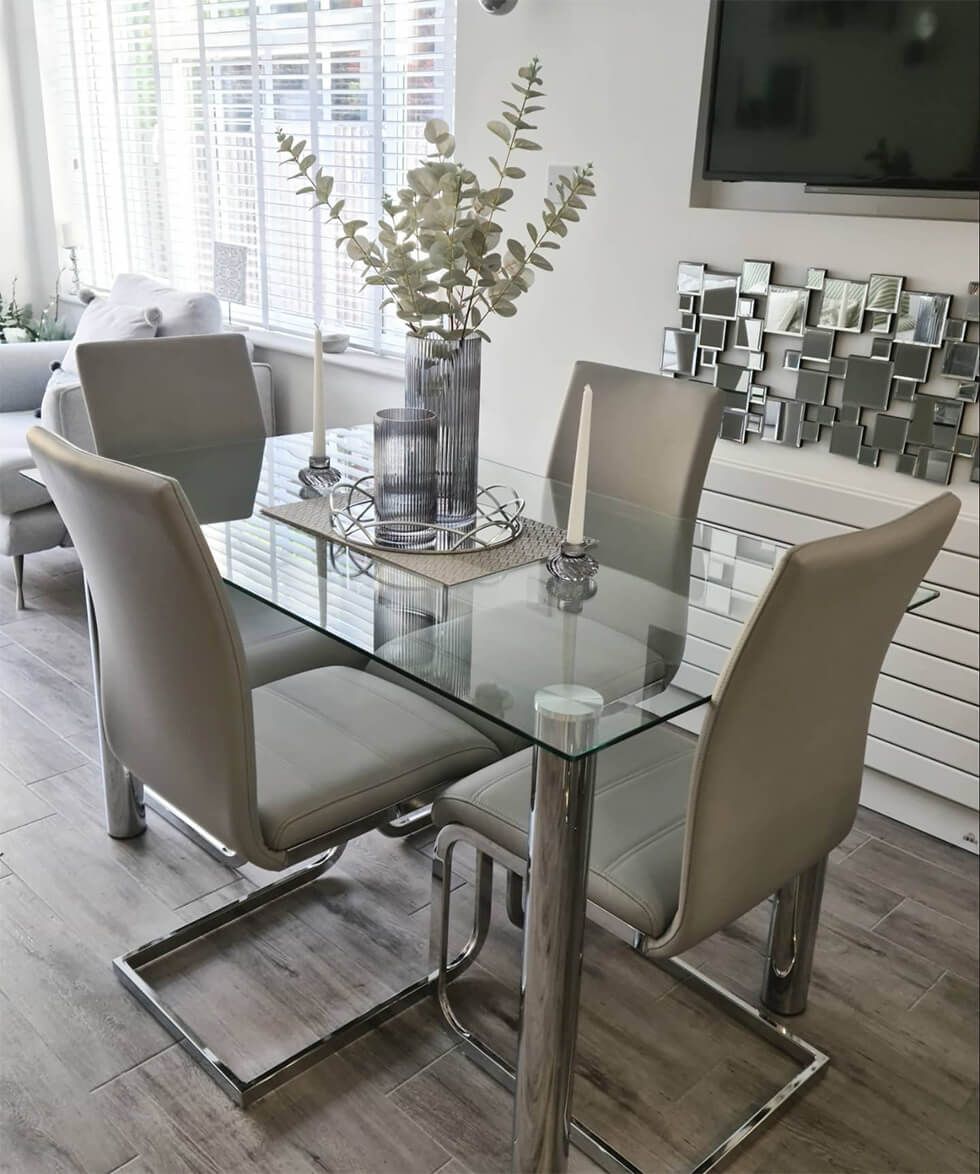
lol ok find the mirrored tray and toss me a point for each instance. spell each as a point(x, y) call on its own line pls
point(499, 520)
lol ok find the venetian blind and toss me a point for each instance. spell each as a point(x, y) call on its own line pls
point(169, 110)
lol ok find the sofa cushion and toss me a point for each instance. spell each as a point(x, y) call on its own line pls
point(181, 312)
point(104, 321)
point(16, 492)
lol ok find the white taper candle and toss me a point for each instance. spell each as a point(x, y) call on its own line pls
point(319, 448)
point(580, 475)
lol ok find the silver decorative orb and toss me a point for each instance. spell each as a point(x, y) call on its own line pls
point(498, 7)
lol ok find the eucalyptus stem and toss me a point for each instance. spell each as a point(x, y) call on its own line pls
point(438, 254)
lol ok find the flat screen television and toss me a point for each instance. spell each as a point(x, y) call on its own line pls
point(846, 93)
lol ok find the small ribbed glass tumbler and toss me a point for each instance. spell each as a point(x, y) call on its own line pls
point(405, 476)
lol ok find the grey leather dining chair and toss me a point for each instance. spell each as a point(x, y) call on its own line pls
point(155, 395)
point(282, 773)
point(688, 835)
point(651, 436)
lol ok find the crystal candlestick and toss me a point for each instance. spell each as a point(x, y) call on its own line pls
point(319, 477)
point(573, 571)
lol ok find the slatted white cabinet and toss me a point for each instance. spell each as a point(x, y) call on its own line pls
point(924, 745)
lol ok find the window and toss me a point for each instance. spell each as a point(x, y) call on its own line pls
point(167, 111)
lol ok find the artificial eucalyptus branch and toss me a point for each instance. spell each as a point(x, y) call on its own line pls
point(437, 251)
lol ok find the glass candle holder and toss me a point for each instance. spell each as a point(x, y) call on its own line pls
point(405, 441)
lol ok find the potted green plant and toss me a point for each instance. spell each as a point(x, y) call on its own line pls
point(441, 256)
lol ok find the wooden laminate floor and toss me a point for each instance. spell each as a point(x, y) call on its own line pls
point(91, 1083)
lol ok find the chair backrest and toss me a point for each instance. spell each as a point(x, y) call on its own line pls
point(651, 440)
point(148, 395)
point(777, 774)
point(176, 703)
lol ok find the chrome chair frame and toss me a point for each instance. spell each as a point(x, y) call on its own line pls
point(813, 1061)
point(325, 851)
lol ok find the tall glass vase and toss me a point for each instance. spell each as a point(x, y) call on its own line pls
point(445, 378)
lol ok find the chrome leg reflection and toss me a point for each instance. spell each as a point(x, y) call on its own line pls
point(125, 811)
point(792, 936)
point(562, 793)
point(515, 899)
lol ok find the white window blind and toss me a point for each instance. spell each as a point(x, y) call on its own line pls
point(169, 110)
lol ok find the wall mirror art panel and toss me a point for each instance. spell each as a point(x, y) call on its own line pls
point(842, 305)
point(868, 404)
point(756, 276)
point(680, 353)
point(921, 318)
point(689, 275)
point(884, 292)
point(748, 334)
point(719, 295)
point(786, 308)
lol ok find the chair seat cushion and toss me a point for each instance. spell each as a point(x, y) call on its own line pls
point(16, 492)
point(278, 646)
point(637, 830)
point(335, 745)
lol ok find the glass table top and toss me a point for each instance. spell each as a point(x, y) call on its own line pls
point(492, 644)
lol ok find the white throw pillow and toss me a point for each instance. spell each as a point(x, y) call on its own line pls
point(102, 322)
point(183, 312)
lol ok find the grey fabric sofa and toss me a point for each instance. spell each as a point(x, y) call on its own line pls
point(29, 521)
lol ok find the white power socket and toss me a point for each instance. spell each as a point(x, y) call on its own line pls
point(555, 172)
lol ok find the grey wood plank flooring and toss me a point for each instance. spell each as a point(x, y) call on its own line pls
point(165, 861)
point(43, 691)
point(47, 1121)
point(67, 991)
point(18, 803)
point(28, 748)
point(92, 1084)
point(61, 646)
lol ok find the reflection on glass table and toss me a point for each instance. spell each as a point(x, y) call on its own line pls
point(490, 644)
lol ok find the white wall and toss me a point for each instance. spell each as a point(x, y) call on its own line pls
point(623, 85)
point(28, 249)
point(623, 82)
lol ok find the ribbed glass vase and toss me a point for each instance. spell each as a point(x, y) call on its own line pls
point(445, 378)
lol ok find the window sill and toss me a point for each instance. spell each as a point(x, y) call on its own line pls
point(381, 366)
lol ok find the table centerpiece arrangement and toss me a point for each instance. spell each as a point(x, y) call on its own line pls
point(443, 261)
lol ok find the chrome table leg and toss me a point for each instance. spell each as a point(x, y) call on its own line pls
point(125, 813)
point(562, 794)
point(792, 935)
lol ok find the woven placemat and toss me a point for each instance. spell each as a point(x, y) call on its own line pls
point(535, 543)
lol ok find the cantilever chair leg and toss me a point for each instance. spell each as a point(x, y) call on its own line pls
point(246, 1092)
point(813, 1061)
point(407, 824)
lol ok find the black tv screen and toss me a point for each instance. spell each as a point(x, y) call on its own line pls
point(846, 93)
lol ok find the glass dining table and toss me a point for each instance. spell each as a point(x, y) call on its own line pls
point(567, 671)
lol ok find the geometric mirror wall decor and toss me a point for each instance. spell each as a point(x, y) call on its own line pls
point(869, 404)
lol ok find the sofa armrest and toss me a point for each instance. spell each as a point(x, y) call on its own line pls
point(63, 411)
point(267, 399)
point(24, 371)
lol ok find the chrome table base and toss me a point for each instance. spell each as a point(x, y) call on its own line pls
point(562, 793)
point(813, 1061)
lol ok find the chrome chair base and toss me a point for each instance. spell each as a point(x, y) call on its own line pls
point(813, 1061)
point(245, 1092)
